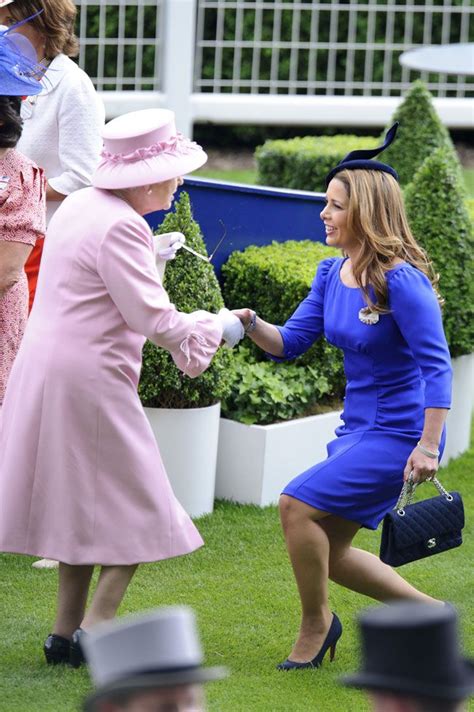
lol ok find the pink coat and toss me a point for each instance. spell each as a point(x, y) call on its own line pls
point(81, 477)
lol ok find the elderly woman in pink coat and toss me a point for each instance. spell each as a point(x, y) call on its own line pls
point(87, 485)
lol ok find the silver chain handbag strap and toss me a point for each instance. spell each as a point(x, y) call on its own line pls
point(408, 492)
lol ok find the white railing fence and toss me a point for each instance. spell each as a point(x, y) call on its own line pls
point(271, 61)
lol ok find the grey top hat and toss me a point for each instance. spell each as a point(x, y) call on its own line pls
point(413, 648)
point(157, 649)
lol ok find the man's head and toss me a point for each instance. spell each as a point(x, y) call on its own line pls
point(411, 659)
point(148, 663)
point(181, 698)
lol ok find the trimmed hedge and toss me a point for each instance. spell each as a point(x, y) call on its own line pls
point(420, 133)
point(303, 163)
point(438, 215)
point(191, 285)
point(273, 280)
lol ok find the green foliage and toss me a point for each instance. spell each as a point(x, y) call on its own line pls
point(436, 207)
point(273, 280)
point(420, 133)
point(191, 285)
point(303, 163)
point(266, 392)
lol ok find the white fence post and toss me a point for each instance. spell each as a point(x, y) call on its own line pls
point(179, 39)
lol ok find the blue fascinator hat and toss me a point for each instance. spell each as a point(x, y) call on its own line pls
point(19, 66)
point(362, 159)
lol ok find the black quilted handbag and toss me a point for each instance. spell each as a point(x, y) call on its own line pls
point(414, 531)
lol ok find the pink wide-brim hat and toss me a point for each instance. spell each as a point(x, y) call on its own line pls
point(142, 148)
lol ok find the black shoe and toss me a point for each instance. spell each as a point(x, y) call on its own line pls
point(334, 633)
point(76, 653)
point(56, 649)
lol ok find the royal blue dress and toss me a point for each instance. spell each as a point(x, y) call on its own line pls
point(395, 369)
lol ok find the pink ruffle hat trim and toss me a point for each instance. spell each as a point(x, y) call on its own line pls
point(142, 148)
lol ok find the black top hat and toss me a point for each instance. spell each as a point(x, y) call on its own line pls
point(413, 648)
point(362, 158)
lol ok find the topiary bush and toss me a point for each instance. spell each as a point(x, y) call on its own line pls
point(191, 284)
point(273, 280)
point(436, 207)
point(303, 163)
point(420, 133)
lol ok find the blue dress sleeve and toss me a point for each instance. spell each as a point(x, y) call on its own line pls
point(417, 313)
point(306, 324)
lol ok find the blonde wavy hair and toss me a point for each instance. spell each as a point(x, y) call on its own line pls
point(55, 24)
point(376, 218)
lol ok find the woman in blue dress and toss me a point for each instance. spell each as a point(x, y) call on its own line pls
point(378, 304)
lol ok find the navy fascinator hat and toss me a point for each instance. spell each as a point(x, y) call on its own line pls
point(19, 66)
point(362, 158)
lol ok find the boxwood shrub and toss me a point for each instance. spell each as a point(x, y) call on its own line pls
point(303, 163)
point(273, 280)
point(420, 133)
point(191, 284)
point(438, 214)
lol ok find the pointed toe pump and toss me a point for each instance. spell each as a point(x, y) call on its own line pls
point(56, 649)
point(330, 642)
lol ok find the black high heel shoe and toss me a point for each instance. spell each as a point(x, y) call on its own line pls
point(56, 649)
point(76, 653)
point(330, 642)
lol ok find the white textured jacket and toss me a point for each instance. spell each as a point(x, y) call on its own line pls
point(62, 128)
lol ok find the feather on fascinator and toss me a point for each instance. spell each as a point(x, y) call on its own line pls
point(19, 66)
point(362, 158)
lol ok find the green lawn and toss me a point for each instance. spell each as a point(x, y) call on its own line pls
point(241, 587)
point(469, 179)
point(250, 176)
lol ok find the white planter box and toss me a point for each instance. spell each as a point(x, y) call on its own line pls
point(255, 462)
point(187, 439)
point(459, 418)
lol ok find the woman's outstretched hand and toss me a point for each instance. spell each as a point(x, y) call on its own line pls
point(245, 316)
point(423, 467)
point(232, 329)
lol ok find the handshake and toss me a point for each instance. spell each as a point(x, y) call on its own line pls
point(166, 247)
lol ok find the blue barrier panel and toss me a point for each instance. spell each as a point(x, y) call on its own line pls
point(250, 215)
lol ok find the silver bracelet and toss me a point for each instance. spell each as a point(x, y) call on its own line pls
point(428, 453)
point(252, 324)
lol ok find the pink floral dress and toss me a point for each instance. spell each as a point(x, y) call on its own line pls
point(22, 219)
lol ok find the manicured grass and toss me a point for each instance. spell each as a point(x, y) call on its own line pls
point(469, 180)
point(247, 176)
point(241, 586)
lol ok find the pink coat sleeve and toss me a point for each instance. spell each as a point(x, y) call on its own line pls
point(126, 263)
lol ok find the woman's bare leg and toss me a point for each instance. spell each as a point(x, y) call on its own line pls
point(362, 571)
point(73, 588)
point(308, 548)
point(111, 587)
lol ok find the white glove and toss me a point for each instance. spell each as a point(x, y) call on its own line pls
point(232, 329)
point(167, 245)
